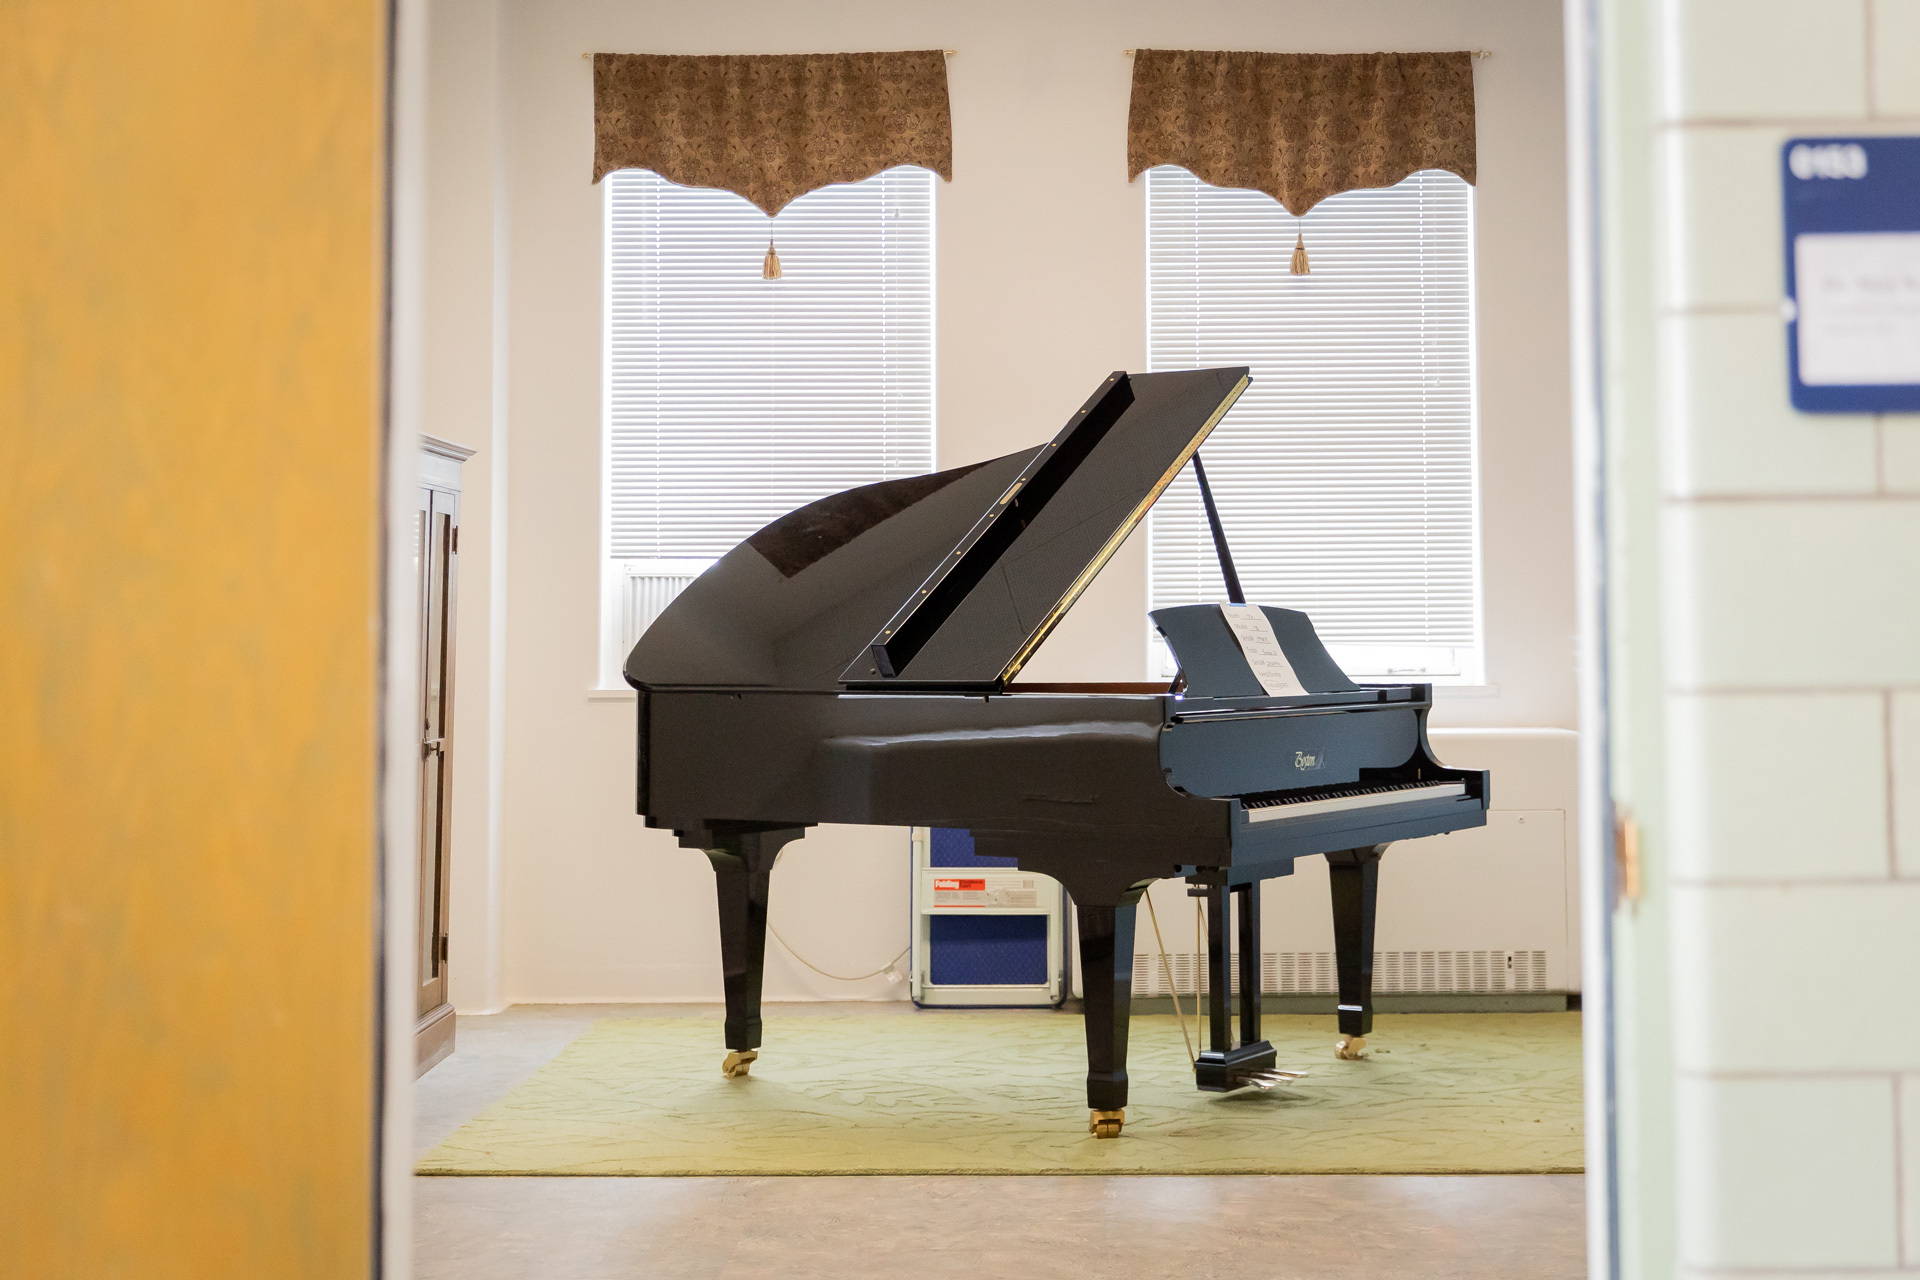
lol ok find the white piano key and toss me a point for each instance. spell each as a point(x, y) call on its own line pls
point(1340, 804)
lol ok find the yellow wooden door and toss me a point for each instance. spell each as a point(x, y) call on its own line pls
point(191, 259)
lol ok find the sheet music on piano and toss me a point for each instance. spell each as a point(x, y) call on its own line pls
point(1254, 634)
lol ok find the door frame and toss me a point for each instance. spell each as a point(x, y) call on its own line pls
point(399, 684)
point(399, 781)
point(1580, 26)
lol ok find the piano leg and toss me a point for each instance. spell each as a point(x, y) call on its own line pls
point(1355, 878)
point(1219, 970)
point(743, 871)
point(1106, 967)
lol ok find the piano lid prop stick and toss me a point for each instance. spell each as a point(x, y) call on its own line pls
point(1227, 574)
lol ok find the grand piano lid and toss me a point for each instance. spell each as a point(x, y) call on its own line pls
point(790, 607)
point(1004, 586)
point(798, 601)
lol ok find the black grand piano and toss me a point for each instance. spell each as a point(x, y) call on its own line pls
point(855, 662)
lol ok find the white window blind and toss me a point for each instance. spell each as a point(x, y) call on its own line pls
point(1345, 476)
point(731, 399)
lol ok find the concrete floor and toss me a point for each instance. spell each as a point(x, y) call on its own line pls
point(1196, 1228)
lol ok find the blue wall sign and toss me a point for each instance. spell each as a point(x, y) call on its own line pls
point(1853, 273)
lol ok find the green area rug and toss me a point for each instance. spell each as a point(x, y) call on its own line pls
point(1001, 1092)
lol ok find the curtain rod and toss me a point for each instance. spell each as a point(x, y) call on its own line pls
point(949, 52)
point(1478, 53)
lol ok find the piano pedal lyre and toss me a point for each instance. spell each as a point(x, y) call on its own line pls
point(1351, 1048)
point(1106, 1124)
point(738, 1062)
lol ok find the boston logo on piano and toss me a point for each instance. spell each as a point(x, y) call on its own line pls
point(854, 662)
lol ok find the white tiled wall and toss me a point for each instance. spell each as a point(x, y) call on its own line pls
point(1766, 59)
point(1900, 445)
point(1742, 435)
point(1729, 825)
point(1896, 57)
point(1792, 617)
point(1788, 1173)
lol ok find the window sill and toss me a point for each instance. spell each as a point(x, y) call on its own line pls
point(1447, 692)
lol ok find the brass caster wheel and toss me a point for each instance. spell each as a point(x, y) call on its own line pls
point(1351, 1048)
point(738, 1062)
point(1106, 1124)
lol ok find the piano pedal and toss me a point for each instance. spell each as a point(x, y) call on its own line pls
point(1106, 1124)
point(1351, 1048)
point(737, 1063)
point(1269, 1078)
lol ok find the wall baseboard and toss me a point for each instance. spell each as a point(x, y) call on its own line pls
point(715, 1001)
point(1467, 1002)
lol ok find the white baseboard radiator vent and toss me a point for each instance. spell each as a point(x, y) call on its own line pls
point(1290, 973)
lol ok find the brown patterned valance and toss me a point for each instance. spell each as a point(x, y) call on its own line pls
point(1301, 126)
point(771, 127)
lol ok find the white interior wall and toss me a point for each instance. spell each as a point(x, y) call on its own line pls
point(463, 333)
point(1767, 668)
point(1041, 287)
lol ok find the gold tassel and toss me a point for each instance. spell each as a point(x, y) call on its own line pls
point(1300, 267)
point(770, 269)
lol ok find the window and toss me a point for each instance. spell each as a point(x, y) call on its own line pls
point(731, 399)
point(1345, 476)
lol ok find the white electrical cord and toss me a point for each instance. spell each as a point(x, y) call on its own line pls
point(822, 972)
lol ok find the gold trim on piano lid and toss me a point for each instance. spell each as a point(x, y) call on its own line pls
point(1120, 535)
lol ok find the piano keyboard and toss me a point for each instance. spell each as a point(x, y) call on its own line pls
point(1318, 800)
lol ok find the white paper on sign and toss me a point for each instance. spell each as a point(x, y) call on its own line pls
point(1859, 308)
point(1262, 649)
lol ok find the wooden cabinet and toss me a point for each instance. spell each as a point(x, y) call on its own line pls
point(436, 544)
